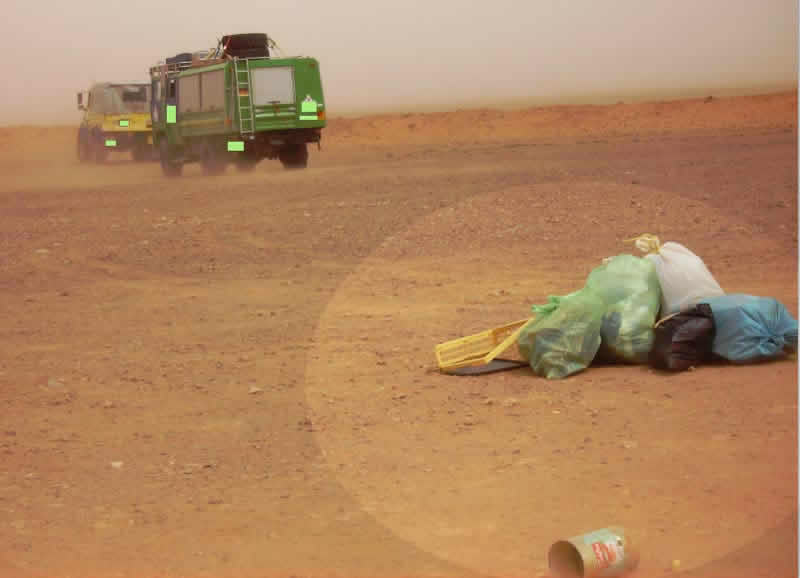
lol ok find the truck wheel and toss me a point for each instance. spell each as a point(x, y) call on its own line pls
point(294, 156)
point(169, 167)
point(212, 161)
point(83, 147)
point(246, 164)
point(100, 151)
point(141, 151)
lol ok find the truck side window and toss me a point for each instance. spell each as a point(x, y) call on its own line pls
point(171, 93)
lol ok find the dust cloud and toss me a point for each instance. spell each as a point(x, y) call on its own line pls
point(414, 55)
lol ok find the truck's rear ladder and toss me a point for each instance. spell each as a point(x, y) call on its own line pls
point(243, 101)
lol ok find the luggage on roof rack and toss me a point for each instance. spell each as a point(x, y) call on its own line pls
point(254, 45)
point(181, 61)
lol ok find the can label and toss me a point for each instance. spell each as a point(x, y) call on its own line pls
point(608, 548)
point(607, 553)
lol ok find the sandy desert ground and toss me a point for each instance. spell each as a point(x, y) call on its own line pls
point(234, 376)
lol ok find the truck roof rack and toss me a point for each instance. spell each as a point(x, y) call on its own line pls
point(230, 46)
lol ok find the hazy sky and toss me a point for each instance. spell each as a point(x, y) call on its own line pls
point(408, 54)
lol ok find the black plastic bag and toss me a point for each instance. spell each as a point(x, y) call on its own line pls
point(684, 340)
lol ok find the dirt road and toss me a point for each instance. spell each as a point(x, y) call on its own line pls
point(234, 376)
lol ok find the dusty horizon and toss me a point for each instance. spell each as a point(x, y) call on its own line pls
point(420, 56)
point(519, 105)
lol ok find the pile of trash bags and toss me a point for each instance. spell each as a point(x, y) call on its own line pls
point(664, 309)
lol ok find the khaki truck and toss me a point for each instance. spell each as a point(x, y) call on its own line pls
point(116, 118)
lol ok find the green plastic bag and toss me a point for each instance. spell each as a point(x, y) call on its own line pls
point(630, 289)
point(565, 336)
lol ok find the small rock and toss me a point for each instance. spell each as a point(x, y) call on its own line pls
point(55, 383)
point(254, 390)
point(630, 444)
point(510, 402)
point(116, 465)
point(42, 251)
point(108, 404)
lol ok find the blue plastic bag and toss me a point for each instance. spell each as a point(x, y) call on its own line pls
point(750, 328)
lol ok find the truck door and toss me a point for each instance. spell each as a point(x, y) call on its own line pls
point(171, 108)
point(155, 101)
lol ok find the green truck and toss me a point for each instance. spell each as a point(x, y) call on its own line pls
point(235, 104)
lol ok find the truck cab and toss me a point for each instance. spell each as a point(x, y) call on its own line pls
point(116, 118)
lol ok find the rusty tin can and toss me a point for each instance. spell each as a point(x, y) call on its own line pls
point(605, 552)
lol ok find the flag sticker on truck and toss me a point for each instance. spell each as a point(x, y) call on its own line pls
point(308, 109)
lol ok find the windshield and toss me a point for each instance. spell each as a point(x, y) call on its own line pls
point(130, 98)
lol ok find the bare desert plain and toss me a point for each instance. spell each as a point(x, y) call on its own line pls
point(234, 376)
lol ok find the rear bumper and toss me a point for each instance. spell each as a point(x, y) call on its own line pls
point(288, 136)
point(267, 144)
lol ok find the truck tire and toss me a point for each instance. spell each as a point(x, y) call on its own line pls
point(169, 166)
point(98, 148)
point(246, 164)
point(141, 151)
point(294, 156)
point(83, 146)
point(213, 161)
